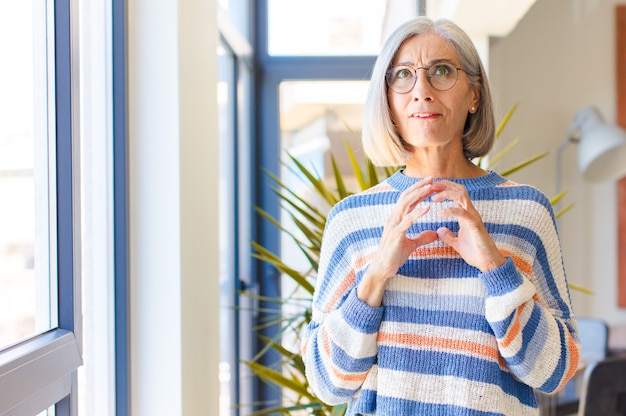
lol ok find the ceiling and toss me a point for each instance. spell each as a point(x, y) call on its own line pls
point(481, 17)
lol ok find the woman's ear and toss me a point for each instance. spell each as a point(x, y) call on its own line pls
point(475, 101)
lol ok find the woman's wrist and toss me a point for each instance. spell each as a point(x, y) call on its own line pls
point(372, 288)
point(492, 263)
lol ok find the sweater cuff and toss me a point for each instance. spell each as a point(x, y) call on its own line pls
point(361, 316)
point(503, 279)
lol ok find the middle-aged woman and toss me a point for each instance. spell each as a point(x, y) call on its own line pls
point(440, 291)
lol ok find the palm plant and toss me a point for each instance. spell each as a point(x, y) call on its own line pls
point(295, 307)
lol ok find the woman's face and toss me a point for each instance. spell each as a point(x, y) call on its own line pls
point(426, 117)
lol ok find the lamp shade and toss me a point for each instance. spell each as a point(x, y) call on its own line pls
point(602, 147)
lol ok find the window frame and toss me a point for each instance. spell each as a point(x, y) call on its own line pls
point(40, 372)
point(120, 209)
point(241, 91)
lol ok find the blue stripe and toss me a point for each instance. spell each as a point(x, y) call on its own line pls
point(553, 382)
point(360, 201)
point(437, 268)
point(451, 319)
point(470, 304)
point(500, 328)
point(322, 374)
point(348, 363)
point(528, 332)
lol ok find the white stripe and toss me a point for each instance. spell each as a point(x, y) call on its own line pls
point(449, 390)
point(500, 307)
point(447, 287)
point(354, 343)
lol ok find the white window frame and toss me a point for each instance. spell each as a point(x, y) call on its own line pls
point(41, 372)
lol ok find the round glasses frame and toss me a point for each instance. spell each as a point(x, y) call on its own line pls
point(431, 71)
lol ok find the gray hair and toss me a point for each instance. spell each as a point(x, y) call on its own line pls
point(381, 142)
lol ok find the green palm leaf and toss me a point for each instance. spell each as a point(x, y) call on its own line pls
point(268, 257)
point(279, 379)
point(356, 168)
point(523, 164)
point(341, 187)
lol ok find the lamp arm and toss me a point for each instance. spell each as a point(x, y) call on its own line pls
point(570, 138)
point(559, 156)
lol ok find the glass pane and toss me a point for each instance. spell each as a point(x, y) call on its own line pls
point(26, 187)
point(316, 119)
point(331, 27)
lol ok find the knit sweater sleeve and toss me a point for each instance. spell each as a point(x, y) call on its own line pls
point(339, 345)
point(528, 304)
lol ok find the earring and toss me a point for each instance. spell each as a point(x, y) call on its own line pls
point(472, 109)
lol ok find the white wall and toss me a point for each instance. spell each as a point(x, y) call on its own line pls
point(173, 207)
point(559, 59)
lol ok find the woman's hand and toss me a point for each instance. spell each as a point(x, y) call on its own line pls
point(473, 242)
point(395, 246)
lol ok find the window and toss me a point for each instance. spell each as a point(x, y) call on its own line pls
point(40, 349)
point(317, 120)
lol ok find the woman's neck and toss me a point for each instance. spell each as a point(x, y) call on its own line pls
point(423, 164)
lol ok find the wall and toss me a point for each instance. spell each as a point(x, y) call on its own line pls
point(173, 184)
point(559, 59)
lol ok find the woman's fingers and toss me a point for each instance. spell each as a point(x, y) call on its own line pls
point(425, 237)
point(472, 241)
point(410, 198)
point(418, 212)
point(446, 190)
point(460, 214)
point(447, 236)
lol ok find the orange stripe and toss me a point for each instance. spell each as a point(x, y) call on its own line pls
point(347, 282)
point(441, 343)
point(574, 359)
point(520, 263)
point(514, 329)
point(363, 261)
point(336, 372)
point(445, 251)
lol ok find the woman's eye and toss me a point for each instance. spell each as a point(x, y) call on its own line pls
point(441, 70)
point(403, 73)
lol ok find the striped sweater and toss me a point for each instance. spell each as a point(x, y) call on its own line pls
point(448, 339)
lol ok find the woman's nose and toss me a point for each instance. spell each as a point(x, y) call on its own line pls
point(422, 90)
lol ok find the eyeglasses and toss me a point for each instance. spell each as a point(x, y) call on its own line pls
point(442, 76)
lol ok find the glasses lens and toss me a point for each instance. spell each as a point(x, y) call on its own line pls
point(442, 76)
point(401, 79)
